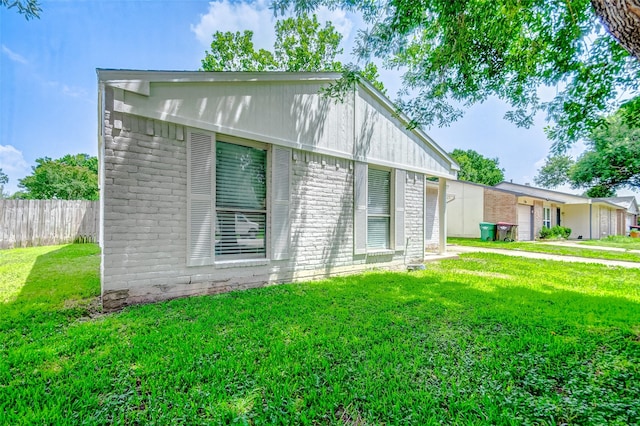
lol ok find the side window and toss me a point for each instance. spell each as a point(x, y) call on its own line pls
point(546, 218)
point(378, 208)
point(241, 201)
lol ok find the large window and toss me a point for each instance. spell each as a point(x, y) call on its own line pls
point(240, 201)
point(229, 197)
point(546, 219)
point(378, 208)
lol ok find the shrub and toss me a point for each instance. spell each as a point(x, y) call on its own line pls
point(558, 232)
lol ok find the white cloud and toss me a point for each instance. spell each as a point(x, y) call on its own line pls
point(340, 21)
point(11, 160)
point(231, 16)
point(13, 164)
point(15, 57)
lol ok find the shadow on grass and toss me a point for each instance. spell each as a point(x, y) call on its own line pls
point(478, 338)
point(61, 283)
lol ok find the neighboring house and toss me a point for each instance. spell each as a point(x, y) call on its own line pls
point(471, 203)
point(530, 208)
point(627, 217)
point(212, 182)
point(588, 218)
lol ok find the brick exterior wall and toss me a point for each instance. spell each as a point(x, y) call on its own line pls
point(145, 220)
point(500, 206)
point(537, 218)
point(414, 216)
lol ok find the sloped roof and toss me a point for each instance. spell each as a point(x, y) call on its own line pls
point(629, 203)
point(552, 195)
point(140, 82)
point(509, 191)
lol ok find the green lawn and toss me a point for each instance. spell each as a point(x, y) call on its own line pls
point(486, 339)
point(617, 241)
point(547, 248)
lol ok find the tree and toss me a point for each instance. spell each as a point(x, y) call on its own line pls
point(477, 168)
point(611, 161)
point(555, 171)
point(72, 177)
point(458, 53)
point(29, 8)
point(4, 179)
point(301, 45)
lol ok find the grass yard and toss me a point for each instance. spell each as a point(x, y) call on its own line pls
point(616, 241)
point(486, 339)
point(547, 248)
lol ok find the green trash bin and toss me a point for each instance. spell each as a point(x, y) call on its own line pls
point(487, 231)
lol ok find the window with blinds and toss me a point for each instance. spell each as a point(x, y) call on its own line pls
point(240, 201)
point(378, 208)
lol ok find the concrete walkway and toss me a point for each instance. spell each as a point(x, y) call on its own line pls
point(586, 246)
point(455, 249)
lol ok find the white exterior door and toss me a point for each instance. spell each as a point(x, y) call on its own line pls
point(524, 223)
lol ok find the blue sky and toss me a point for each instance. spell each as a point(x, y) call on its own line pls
point(48, 86)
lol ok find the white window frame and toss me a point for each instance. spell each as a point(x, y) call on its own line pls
point(389, 244)
point(546, 217)
point(201, 230)
point(396, 242)
point(221, 258)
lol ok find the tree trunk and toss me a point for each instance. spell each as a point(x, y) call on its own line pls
point(622, 19)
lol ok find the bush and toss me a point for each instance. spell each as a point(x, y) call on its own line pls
point(557, 232)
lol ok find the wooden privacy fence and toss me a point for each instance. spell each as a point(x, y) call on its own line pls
point(25, 223)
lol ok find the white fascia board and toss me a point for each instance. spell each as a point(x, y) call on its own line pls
point(109, 75)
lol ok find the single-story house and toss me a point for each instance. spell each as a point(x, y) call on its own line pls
point(588, 218)
point(471, 203)
point(627, 217)
point(530, 208)
point(212, 182)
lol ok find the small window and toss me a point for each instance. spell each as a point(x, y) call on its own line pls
point(546, 219)
point(241, 202)
point(378, 209)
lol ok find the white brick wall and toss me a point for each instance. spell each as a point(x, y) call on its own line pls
point(414, 220)
point(145, 221)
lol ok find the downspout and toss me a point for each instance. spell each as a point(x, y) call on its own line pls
point(101, 153)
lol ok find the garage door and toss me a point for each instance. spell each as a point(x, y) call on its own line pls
point(524, 223)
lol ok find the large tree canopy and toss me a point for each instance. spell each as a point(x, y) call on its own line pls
point(476, 168)
point(72, 177)
point(611, 162)
point(457, 53)
point(301, 45)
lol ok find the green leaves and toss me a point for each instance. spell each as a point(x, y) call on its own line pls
point(72, 177)
point(301, 45)
point(611, 161)
point(477, 168)
point(4, 179)
point(459, 53)
point(29, 8)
